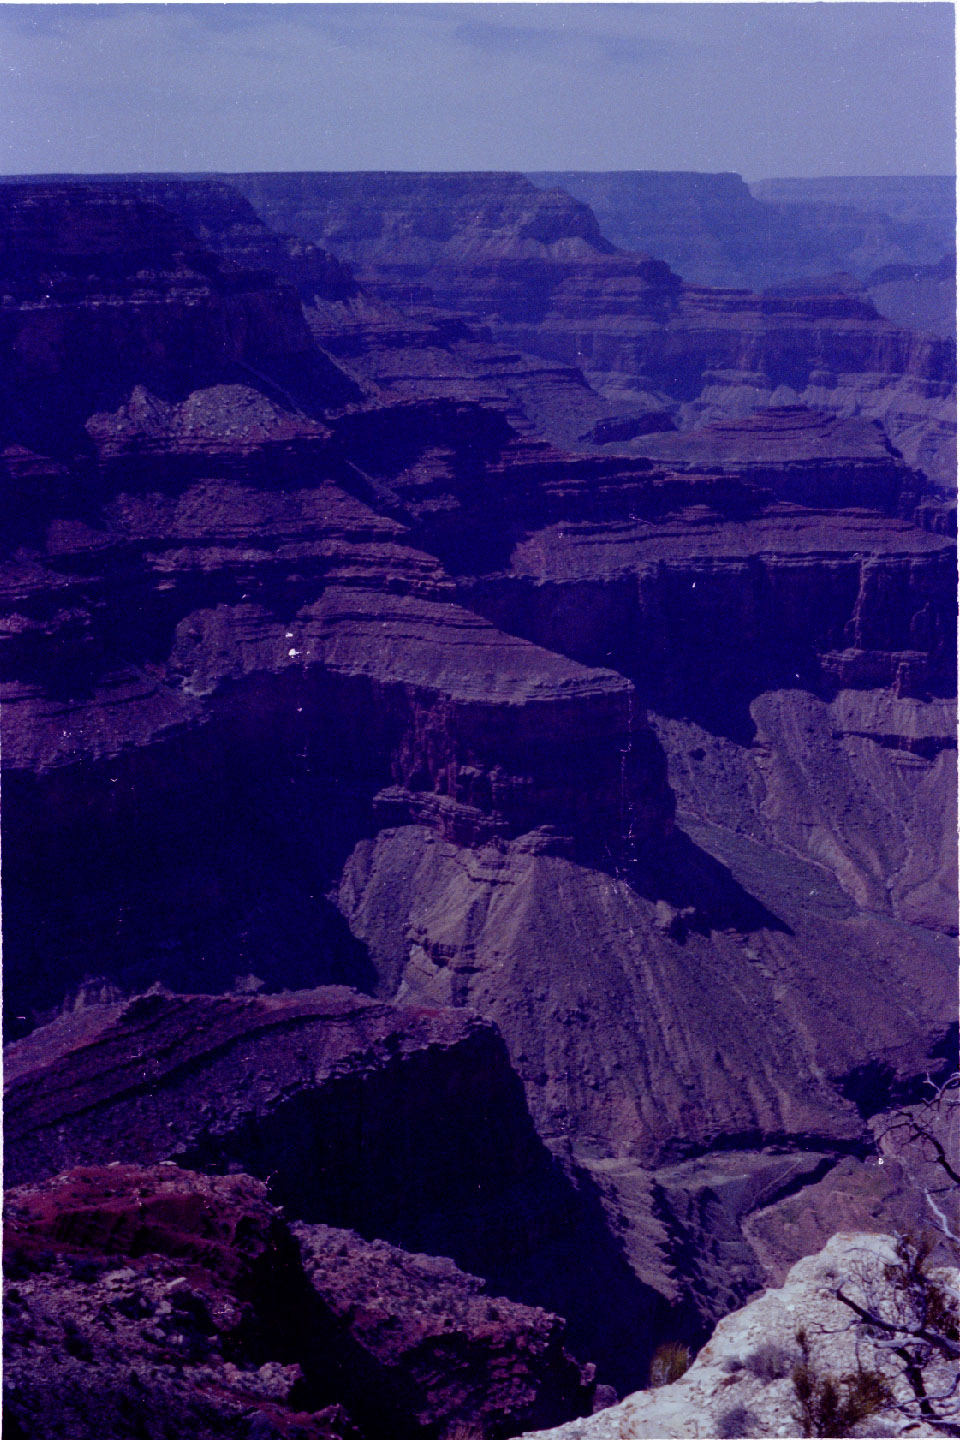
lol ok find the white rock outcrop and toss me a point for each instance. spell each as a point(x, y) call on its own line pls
point(721, 1395)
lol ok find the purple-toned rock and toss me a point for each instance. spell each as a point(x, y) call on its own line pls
point(158, 1297)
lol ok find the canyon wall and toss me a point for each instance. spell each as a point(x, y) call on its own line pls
point(535, 266)
point(555, 656)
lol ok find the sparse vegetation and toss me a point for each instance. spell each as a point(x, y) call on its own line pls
point(737, 1423)
point(906, 1315)
point(770, 1361)
point(831, 1405)
point(669, 1362)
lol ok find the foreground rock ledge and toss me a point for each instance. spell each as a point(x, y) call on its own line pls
point(720, 1394)
point(155, 1301)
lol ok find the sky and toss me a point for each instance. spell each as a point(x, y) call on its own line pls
point(765, 89)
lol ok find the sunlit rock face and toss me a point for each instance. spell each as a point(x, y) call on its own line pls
point(740, 1383)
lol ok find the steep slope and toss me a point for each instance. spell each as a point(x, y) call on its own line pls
point(404, 1123)
point(459, 234)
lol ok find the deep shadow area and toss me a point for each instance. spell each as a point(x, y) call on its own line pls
point(211, 874)
point(876, 1086)
point(446, 1161)
point(702, 891)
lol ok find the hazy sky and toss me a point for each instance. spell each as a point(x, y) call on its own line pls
point(764, 89)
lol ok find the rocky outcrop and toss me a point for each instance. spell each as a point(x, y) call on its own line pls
point(698, 919)
point(437, 1342)
point(452, 238)
point(364, 697)
point(809, 457)
point(404, 1123)
point(105, 290)
point(718, 353)
point(220, 217)
point(740, 1384)
point(159, 1297)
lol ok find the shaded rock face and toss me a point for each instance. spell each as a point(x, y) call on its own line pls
point(641, 750)
point(156, 1297)
point(219, 216)
point(108, 289)
point(405, 1123)
point(466, 1355)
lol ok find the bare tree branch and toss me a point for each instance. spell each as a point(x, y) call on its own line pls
point(947, 1347)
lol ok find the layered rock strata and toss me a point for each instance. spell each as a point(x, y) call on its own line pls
point(535, 266)
point(716, 230)
point(105, 290)
point(641, 753)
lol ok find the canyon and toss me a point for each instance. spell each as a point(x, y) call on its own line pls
point(478, 773)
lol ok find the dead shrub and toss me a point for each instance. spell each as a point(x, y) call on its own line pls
point(737, 1423)
point(770, 1361)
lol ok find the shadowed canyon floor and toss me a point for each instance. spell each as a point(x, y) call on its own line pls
point(478, 758)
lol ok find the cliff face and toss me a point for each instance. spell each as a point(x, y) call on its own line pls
point(484, 245)
point(922, 297)
point(403, 1123)
point(716, 230)
point(106, 289)
point(710, 228)
point(925, 203)
point(418, 220)
point(552, 286)
point(592, 690)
